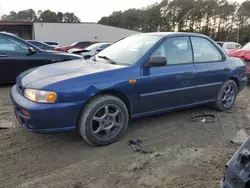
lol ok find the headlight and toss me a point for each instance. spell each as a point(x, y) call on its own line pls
point(40, 96)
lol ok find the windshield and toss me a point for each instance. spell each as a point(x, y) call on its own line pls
point(74, 44)
point(246, 47)
point(94, 46)
point(129, 50)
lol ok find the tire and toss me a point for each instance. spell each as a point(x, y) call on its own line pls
point(98, 116)
point(220, 105)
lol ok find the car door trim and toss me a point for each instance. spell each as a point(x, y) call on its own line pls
point(179, 89)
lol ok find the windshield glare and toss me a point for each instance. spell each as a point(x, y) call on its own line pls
point(74, 44)
point(129, 50)
point(246, 47)
point(94, 46)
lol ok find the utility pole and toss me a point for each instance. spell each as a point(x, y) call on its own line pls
point(238, 34)
point(177, 25)
point(238, 28)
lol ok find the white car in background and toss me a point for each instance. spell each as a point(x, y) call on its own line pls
point(53, 44)
point(89, 51)
point(229, 45)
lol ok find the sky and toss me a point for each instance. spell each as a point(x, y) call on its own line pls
point(86, 10)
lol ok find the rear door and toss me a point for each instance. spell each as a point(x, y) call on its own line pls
point(211, 67)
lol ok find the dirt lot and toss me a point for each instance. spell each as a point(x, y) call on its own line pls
point(185, 154)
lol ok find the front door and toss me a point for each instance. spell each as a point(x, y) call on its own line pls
point(171, 86)
point(212, 69)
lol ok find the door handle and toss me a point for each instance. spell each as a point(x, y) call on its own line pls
point(189, 73)
point(226, 69)
point(3, 55)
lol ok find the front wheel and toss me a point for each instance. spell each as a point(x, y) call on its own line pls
point(103, 121)
point(227, 96)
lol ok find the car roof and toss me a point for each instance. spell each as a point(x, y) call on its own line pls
point(6, 33)
point(52, 41)
point(173, 34)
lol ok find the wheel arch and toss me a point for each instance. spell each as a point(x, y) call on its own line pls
point(236, 80)
point(123, 97)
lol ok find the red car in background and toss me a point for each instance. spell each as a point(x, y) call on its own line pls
point(243, 53)
point(76, 45)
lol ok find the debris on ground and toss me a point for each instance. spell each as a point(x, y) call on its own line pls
point(204, 118)
point(241, 136)
point(136, 147)
point(185, 153)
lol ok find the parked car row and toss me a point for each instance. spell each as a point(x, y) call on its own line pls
point(76, 45)
point(236, 50)
point(41, 45)
point(229, 45)
point(85, 51)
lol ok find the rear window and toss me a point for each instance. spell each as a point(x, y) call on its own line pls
point(220, 43)
point(51, 43)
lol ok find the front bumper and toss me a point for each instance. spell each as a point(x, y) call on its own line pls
point(224, 184)
point(237, 172)
point(45, 118)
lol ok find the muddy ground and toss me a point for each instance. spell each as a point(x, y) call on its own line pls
point(184, 154)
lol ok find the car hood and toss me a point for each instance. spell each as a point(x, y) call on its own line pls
point(64, 70)
point(243, 54)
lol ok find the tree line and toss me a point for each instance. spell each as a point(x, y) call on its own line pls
point(223, 20)
point(43, 16)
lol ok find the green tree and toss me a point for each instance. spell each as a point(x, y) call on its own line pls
point(70, 17)
point(49, 16)
point(24, 15)
point(45, 16)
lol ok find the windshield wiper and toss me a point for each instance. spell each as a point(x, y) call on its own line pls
point(93, 57)
point(108, 59)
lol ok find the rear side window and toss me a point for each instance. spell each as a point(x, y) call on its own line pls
point(204, 50)
point(52, 43)
point(83, 44)
point(220, 43)
point(230, 46)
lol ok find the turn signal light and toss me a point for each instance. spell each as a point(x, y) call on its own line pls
point(51, 97)
point(26, 113)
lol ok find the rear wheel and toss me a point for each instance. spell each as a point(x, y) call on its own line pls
point(227, 96)
point(103, 121)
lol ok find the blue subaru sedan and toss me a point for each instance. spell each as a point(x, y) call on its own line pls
point(140, 75)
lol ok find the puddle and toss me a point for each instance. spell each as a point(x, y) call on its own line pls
point(241, 136)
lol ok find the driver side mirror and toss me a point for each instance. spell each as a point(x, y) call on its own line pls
point(156, 61)
point(31, 50)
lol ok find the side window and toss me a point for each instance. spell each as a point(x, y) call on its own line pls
point(104, 46)
point(9, 44)
point(176, 50)
point(83, 44)
point(238, 46)
point(204, 50)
